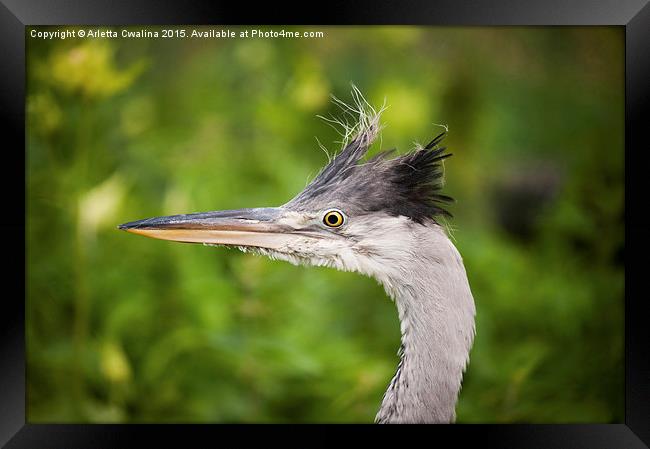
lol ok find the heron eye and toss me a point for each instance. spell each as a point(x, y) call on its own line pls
point(333, 219)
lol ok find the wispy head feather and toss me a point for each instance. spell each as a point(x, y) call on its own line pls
point(407, 185)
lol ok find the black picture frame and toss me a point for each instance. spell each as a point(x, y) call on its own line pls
point(15, 15)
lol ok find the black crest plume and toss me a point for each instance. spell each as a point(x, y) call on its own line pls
point(407, 185)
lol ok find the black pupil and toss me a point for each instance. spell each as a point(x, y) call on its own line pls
point(332, 219)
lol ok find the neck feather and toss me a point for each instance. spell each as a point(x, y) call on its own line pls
point(436, 313)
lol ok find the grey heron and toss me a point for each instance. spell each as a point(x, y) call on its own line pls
point(379, 217)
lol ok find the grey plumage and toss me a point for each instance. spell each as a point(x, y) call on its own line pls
point(407, 185)
point(389, 210)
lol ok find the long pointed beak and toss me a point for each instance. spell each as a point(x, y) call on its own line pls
point(242, 227)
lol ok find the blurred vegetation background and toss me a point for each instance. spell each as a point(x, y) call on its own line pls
point(126, 329)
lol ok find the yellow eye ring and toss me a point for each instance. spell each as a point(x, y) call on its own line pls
point(333, 219)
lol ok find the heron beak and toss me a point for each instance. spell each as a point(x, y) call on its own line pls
point(242, 227)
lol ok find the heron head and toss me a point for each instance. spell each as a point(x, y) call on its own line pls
point(351, 216)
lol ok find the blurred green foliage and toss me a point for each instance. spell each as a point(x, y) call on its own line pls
point(126, 329)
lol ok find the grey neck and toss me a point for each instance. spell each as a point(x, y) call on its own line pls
point(436, 312)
